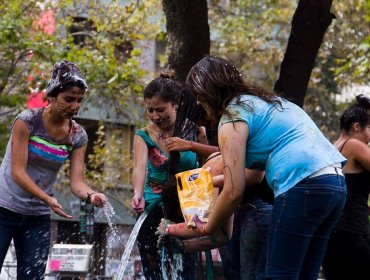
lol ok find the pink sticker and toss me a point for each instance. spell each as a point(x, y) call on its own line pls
point(55, 265)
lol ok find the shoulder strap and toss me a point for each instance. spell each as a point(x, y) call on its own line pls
point(143, 133)
point(341, 148)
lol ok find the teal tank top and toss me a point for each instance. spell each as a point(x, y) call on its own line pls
point(158, 167)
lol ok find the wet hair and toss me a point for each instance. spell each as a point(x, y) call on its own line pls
point(168, 90)
point(187, 120)
point(356, 113)
point(189, 115)
point(64, 76)
point(165, 87)
point(216, 81)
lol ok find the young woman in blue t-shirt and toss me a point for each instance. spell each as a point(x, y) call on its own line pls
point(262, 131)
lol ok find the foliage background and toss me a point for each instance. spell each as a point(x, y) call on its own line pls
point(107, 38)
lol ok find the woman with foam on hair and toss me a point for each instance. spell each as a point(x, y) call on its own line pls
point(41, 141)
point(348, 252)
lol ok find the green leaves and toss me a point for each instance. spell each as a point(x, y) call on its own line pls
point(101, 37)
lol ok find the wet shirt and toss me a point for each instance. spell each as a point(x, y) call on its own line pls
point(158, 167)
point(283, 141)
point(45, 157)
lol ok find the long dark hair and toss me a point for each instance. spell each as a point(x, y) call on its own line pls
point(169, 90)
point(187, 115)
point(357, 112)
point(216, 81)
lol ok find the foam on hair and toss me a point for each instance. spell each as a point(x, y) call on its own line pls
point(65, 74)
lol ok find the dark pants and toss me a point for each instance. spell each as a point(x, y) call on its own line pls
point(347, 256)
point(31, 237)
point(241, 256)
point(157, 260)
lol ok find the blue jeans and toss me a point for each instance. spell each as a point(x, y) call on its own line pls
point(302, 221)
point(31, 237)
point(242, 254)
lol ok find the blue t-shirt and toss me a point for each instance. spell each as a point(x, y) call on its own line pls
point(283, 141)
point(158, 167)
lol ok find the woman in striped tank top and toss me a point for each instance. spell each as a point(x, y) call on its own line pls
point(41, 141)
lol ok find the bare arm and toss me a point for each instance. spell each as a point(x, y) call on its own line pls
point(166, 227)
point(252, 177)
point(139, 173)
point(232, 139)
point(361, 154)
point(19, 158)
point(358, 156)
point(203, 149)
point(78, 185)
point(178, 144)
point(233, 146)
point(200, 146)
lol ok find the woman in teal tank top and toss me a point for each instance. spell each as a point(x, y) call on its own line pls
point(152, 147)
point(158, 166)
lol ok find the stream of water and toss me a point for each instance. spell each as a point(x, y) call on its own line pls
point(129, 245)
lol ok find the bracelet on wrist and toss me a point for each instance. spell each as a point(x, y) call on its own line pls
point(168, 229)
point(89, 196)
point(191, 146)
point(202, 230)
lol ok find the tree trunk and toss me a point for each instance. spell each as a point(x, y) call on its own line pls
point(188, 41)
point(310, 22)
point(187, 33)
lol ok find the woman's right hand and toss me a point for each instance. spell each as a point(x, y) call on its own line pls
point(57, 208)
point(138, 203)
point(178, 144)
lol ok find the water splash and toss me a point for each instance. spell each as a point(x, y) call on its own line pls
point(129, 245)
point(109, 214)
point(175, 266)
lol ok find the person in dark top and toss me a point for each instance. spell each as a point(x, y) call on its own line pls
point(348, 252)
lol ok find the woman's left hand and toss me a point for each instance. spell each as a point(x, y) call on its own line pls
point(98, 199)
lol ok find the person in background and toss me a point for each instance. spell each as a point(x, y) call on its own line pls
point(348, 252)
point(151, 173)
point(261, 131)
point(41, 141)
